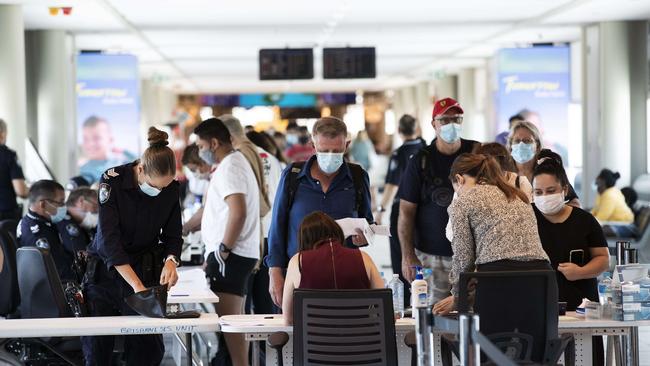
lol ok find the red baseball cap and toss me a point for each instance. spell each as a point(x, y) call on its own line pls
point(443, 105)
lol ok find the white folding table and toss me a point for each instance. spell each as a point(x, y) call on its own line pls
point(257, 328)
point(108, 325)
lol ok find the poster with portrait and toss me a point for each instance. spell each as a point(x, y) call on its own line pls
point(108, 112)
point(535, 82)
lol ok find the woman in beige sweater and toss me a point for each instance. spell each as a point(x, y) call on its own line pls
point(493, 222)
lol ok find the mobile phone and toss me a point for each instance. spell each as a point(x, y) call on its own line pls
point(577, 256)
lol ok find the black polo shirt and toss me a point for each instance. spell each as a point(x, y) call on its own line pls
point(10, 169)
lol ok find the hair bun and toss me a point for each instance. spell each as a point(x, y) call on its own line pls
point(617, 175)
point(157, 138)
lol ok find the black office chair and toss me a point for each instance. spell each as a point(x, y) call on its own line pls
point(9, 226)
point(42, 296)
point(344, 327)
point(518, 312)
point(8, 277)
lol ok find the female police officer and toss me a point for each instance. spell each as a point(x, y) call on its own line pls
point(137, 245)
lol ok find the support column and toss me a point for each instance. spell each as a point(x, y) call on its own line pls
point(51, 87)
point(614, 93)
point(12, 77)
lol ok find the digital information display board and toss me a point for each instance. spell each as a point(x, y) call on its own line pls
point(349, 63)
point(286, 64)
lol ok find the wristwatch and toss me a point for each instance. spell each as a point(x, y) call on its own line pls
point(381, 208)
point(174, 259)
point(224, 248)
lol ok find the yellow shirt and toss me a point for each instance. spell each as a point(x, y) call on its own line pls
point(611, 206)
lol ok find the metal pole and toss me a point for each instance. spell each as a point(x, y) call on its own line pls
point(424, 336)
point(633, 347)
point(476, 345)
point(464, 331)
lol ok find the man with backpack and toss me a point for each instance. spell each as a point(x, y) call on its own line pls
point(325, 183)
point(425, 192)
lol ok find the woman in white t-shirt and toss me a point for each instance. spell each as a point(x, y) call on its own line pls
point(230, 226)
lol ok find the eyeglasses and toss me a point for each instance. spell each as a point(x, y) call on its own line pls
point(525, 141)
point(447, 119)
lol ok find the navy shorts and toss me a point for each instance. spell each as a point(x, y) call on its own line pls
point(230, 275)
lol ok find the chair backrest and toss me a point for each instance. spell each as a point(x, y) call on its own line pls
point(10, 298)
point(40, 287)
point(518, 310)
point(344, 327)
point(9, 227)
point(642, 187)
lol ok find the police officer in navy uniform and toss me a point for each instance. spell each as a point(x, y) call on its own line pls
point(407, 129)
point(78, 227)
point(38, 227)
point(12, 180)
point(137, 245)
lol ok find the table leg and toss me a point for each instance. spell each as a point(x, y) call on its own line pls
point(618, 345)
point(633, 347)
point(256, 353)
point(188, 348)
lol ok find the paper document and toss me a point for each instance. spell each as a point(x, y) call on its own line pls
point(350, 225)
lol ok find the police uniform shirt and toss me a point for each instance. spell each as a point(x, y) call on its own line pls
point(131, 222)
point(73, 237)
point(36, 231)
point(10, 169)
point(400, 158)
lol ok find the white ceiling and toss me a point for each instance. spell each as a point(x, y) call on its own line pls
point(212, 45)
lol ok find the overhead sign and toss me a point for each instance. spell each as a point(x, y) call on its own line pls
point(286, 64)
point(349, 63)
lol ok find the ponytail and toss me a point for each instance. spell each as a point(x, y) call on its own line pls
point(485, 170)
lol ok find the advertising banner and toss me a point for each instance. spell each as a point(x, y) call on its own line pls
point(108, 112)
point(535, 82)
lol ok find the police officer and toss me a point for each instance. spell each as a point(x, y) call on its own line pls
point(137, 245)
point(38, 227)
point(398, 161)
point(78, 227)
point(12, 180)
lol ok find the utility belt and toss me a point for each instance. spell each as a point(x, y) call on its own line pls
point(148, 265)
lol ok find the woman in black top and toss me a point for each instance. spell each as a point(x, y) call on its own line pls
point(564, 229)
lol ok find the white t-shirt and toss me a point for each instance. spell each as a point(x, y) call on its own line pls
point(272, 173)
point(233, 175)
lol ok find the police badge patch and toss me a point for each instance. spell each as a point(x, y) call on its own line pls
point(72, 230)
point(42, 243)
point(104, 192)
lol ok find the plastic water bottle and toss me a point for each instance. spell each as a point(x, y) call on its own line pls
point(397, 286)
point(605, 289)
point(428, 276)
point(419, 291)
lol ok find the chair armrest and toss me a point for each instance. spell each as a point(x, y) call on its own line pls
point(555, 348)
point(277, 340)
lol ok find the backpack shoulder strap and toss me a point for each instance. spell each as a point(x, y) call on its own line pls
point(291, 183)
point(357, 179)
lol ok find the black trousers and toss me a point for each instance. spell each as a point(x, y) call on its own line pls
point(105, 297)
point(396, 252)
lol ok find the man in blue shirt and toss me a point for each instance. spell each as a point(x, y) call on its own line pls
point(425, 192)
point(324, 183)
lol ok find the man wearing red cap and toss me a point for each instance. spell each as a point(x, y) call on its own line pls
point(425, 192)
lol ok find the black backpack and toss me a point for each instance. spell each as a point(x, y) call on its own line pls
point(291, 183)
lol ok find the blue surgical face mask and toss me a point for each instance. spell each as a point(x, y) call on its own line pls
point(329, 163)
point(60, 214)
point(292, 139)
point(523, 152)
point(207, 156)
point(450, 132)
point(147, 189)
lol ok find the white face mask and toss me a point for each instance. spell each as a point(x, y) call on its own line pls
point(90, 221)
point(550, 204)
